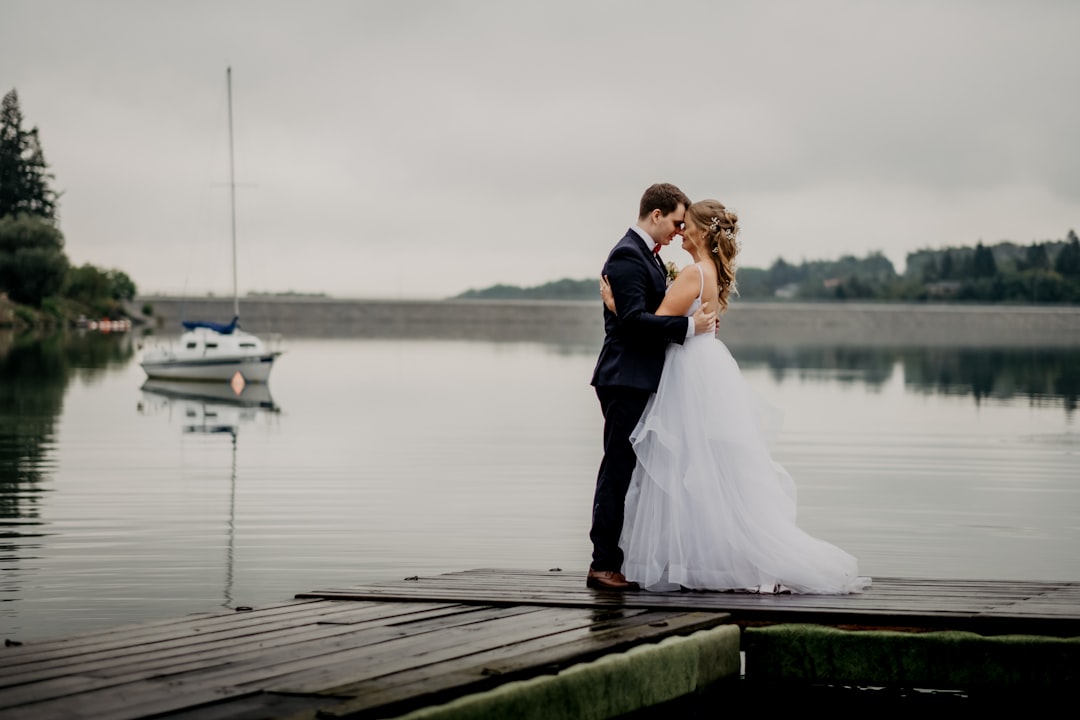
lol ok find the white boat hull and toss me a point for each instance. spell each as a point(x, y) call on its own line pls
point(205, 354)
point(253, 369)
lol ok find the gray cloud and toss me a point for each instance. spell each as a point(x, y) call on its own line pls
point(420, 148)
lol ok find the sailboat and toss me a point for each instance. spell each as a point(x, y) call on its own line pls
point(212, 350)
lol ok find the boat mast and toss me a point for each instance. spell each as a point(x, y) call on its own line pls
point(232, 197)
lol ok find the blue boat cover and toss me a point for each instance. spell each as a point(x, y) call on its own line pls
point(224, 329)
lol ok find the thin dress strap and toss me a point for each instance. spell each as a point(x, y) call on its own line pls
point(701, 278)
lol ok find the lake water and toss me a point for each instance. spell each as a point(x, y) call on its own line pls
point(373, 460)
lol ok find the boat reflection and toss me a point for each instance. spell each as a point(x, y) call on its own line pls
point(212, 408)
point(207, 407)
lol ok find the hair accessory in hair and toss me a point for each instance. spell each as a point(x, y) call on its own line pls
point(728, 233)
point(713, 224)
point(716, 250)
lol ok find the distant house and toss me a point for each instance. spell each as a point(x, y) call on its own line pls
point(943, 288)
point(786, 291)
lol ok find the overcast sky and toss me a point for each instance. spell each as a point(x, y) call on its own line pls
point(418, 149)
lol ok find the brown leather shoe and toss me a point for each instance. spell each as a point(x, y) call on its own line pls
point(608, 580)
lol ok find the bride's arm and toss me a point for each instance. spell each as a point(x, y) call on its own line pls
point(680, 296)
point(682, 293)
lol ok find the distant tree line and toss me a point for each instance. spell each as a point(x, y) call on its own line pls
point(1044, 272)
point(285, 294)
point(34, 270)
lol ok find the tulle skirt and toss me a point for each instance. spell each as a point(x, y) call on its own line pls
point(708, 508)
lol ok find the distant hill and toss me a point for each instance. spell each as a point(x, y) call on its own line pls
point(565, 289)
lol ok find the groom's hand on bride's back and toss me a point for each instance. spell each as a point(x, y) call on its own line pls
point(606, 295)
point(704, 320)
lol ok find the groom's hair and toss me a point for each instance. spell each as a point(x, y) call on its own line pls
point(664, 197)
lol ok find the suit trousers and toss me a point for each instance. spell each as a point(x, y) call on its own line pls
point(622, 408)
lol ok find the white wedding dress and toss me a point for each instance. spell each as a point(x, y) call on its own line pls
point(708, 508)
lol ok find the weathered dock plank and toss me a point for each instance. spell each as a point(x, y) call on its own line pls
point(983, 606)
point(308, 655)
point(232, 630)
point(198, 649)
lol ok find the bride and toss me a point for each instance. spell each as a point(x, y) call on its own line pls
point(708, 508)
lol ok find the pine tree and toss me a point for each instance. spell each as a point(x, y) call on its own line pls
point(24, 174)
point(1068, 260)
point(1036, 258)
point(32, 259)
point(983, 265)
point(947, 270)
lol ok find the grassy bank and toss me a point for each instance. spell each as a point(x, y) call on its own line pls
point(53, 314)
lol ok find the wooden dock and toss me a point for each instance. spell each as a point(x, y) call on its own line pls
point(433, 645)
point(987, 607)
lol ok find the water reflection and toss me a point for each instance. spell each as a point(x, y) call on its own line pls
point(35, 371)
point(1043, 375)
point(1034, 373)
point(212, 408)
point(209, 400)
point(206, 408)
point(165, 499)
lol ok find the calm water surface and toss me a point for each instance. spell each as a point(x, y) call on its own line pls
point(380, 459)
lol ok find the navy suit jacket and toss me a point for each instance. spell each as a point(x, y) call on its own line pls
point(635, 340)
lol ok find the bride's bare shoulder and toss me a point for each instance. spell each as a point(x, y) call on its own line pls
point(691, 266)
point(705, 268)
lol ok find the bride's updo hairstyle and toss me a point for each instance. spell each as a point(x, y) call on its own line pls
point(721, 228)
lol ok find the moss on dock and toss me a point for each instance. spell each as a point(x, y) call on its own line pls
point(614, 685)
point(944, 660)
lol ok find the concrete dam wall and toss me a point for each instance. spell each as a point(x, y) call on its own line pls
point(581, 322)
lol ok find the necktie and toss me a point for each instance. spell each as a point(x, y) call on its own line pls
point(656, 250)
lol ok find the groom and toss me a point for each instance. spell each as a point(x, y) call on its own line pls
point(631, 360)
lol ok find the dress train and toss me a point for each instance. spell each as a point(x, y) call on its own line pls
point(708, 508)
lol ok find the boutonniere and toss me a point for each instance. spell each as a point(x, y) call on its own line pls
point(672, 271)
